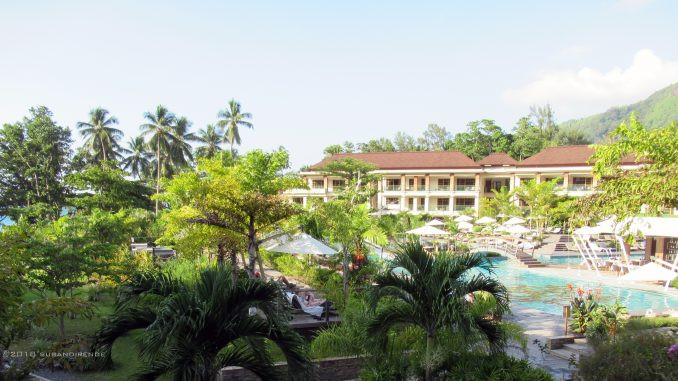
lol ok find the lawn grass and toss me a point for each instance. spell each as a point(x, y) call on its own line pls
point(125, 353)
point(637, 323)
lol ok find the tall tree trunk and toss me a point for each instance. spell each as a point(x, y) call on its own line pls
point(251, 247)
point(345, 261)
point(157, 182)
point(221, 254)
point(234, 265)
point(103, 150)
point(261, 264)
point(429, 349)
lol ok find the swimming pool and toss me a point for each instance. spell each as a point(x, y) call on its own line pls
point(548, 293)
point(571, 259)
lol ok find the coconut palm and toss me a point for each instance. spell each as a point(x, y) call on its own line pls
point(137, 162)
point(160, 129)
point(211, 140)
point(231, 119)
point(181, 152)
point(195, 328)
point(101, 138)
point(431, 293)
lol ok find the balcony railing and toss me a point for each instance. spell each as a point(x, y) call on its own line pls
point(338, 188)
point(461, 208)
point(411, 188)
point(465, 188)
point(440, 187)
point(420, 208)
point(439, 208)
point(579, 187)
point(392, 187)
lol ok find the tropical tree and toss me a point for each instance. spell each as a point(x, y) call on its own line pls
point(211, 139)
point(138, 160)
point(194, 329)
point(482, 138)
point(502, 203)
point(160, 129)
point(650, 188)
point(539, 199)
point(101, 138)
point(181, 152)
point(231, 119)
point(432, 295)
point(34, 160)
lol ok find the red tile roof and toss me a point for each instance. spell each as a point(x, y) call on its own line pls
point(497, 158)
point(407, 160)
point(564, 156)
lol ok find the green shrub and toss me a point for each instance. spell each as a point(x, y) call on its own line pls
point(637, 323)
point(482, 367)
point(636, 356)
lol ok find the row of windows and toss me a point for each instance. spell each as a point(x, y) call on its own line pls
point(461, 201)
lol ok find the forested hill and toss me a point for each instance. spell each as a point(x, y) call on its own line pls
point(658, 110)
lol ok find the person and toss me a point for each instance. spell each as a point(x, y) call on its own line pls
point(257, 275)
point(281, 279)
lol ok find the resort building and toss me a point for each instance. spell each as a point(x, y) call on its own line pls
point(449, 182)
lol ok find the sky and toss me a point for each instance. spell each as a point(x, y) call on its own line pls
point(316, 73)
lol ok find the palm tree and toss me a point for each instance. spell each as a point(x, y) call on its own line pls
point(160, 128)
point(432, 296)
point(211, 140)
point(138, 162)
point(181, 152)
point(231, 119)
point(195, 328)
point(101, 139)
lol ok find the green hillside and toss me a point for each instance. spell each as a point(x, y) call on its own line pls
point(658, 110)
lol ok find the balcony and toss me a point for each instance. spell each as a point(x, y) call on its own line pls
point(439, 208)
point(392, 188)
point(465, 188)
point(338, 188)
point(579, 187)
point(461, 208)
point(444, 188)
point(417, 188)
point(420, 208)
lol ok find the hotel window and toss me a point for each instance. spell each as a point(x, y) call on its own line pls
point(443, 204)
point(318, 184)
point(410, 184)
point(442, 184)
point(496, 184)
point(466, 184)
point(298, 200)
point(392, 200)
point(337, 183)
point(461, 204)
point(392, 184)
point(560, 181)
point(581, 183)
point(523, 180)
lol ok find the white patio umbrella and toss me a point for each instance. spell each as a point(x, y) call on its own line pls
point(517, 229)
point(514, 221)
point(485, 220)
point(650, 272)
point(463, 219)
point(435, 222)
point(463, 225)
point(303, 243)
point(427, 230)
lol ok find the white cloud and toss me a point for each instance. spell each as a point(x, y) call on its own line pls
point(580, 92)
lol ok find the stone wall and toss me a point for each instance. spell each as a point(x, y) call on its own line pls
point(329, 369)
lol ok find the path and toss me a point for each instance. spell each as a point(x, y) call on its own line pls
point(540, 326)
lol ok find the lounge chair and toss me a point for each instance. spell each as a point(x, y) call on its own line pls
point(315, 311)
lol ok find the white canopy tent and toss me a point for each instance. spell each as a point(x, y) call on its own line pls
point(428, 230)
point(435, 222)
point(463, 219)
point(650, 272)
point(514, 221)
point(485, 220)
point(463, 225)
point(303, 243)
point(517, 229)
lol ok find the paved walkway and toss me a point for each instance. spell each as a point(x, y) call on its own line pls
point(540, 326)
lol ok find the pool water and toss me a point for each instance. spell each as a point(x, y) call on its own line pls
point(572, 259)
point(549, 293)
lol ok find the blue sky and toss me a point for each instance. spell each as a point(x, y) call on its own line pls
point(314, 73)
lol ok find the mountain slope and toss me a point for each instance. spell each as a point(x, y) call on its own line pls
point(658, 110)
